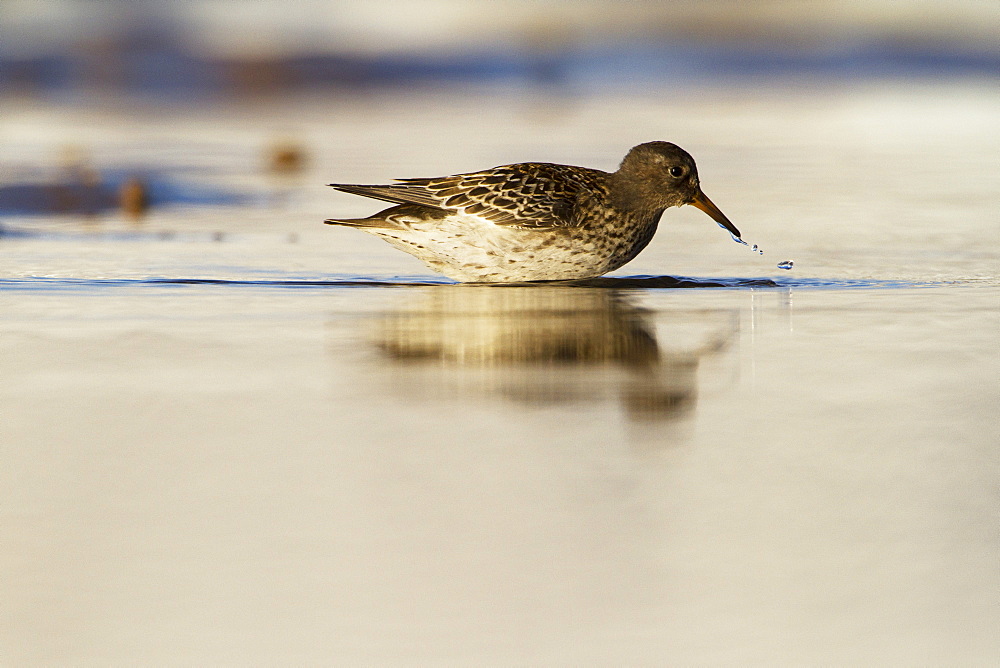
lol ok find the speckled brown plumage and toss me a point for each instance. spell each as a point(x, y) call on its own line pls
point(535, 221)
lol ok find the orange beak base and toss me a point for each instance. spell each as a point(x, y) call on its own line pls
point(702, 202)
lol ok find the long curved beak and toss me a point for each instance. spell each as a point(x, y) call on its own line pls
point(702, 202)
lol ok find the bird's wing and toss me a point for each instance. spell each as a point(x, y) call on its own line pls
point(529, 195)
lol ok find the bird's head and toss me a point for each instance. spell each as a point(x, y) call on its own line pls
point(660, 174)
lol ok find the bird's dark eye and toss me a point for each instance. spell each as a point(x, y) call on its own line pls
point(676, 172)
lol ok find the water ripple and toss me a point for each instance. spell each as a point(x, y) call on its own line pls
point(342, 281)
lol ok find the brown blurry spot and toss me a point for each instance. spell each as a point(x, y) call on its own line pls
point(286, 158)
point(133, 198)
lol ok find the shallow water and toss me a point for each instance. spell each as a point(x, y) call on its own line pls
point(231, 434)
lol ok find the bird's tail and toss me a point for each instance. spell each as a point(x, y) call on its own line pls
point(398, 217)
point(359, 222)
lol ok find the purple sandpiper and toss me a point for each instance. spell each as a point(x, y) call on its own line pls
point(535, 221)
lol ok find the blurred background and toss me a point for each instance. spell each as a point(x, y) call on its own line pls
point(197, 51)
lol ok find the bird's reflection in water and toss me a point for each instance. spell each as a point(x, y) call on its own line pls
point(551, 345)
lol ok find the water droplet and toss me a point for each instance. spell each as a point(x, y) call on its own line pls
point(785, 264)
point(738, 240)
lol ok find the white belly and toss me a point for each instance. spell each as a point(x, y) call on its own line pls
point(469, 249)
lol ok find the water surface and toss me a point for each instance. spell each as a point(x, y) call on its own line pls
point(231, 434)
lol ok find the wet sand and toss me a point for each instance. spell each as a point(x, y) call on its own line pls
point(233, 435)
